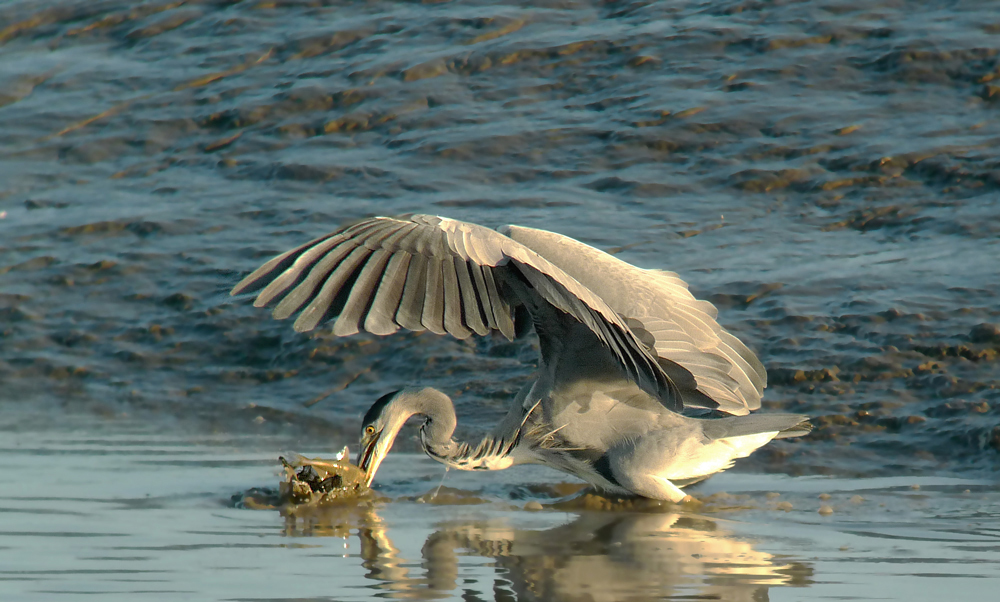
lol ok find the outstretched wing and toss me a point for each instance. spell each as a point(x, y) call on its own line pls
point(431, 273)
point(700, 357)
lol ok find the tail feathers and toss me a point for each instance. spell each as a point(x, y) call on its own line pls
point(786, 425)
point(802, 428)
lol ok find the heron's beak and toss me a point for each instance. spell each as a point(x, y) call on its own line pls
point(371, 455)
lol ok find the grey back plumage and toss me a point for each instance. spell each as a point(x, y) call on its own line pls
point(711, 367)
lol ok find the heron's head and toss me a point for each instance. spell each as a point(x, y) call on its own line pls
point(378, 431)
point(388, 415)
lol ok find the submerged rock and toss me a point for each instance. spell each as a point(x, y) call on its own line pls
point(316, 481)
point(309, 482)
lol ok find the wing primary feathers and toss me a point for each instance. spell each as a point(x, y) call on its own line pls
point(411, 306)
point(328, 301)
point(433, 314)
point(502, 314)
point(253, 282)
point(281, 282)
point(754, 368)
point(485, 303)
point(452, 301)
point(362, 293)
point(303, 257)
point(471, 307)
point(376, 237)
point(400, 234)
point(306, 289)
point(617, 344)
point(380, 318)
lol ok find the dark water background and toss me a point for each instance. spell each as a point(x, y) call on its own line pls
point(826, 172)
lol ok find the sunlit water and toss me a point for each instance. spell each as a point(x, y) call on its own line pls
point(135, 515)
point(825, 172)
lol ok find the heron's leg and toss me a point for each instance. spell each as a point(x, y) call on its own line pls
point(673, 492)
point(651, 486)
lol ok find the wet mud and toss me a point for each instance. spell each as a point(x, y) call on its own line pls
point(826, 173)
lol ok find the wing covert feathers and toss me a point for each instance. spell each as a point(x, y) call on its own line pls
point(424, 272)
point(682, 330)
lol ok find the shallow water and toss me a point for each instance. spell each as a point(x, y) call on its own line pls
point(129, 514)
point(825, 172)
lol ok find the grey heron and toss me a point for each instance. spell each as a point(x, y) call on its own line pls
point(623, 350)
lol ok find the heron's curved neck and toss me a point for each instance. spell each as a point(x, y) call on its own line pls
point(439, 412)
point(439, 426)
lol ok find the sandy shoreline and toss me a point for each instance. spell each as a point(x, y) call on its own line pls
point(138, 515)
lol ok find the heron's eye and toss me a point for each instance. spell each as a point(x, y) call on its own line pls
point(369, 430)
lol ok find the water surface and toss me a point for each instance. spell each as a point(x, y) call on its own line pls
point(132, 514)
point(825, 172)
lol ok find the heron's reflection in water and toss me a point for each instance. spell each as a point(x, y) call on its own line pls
point(378, 554)
point(596, 556)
